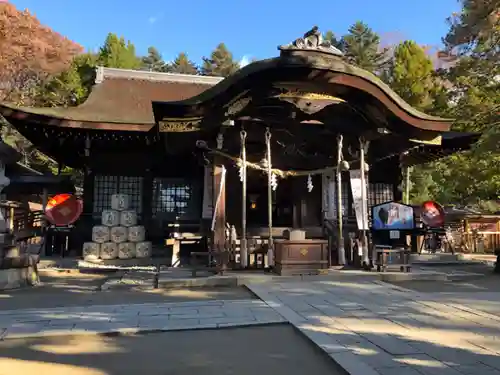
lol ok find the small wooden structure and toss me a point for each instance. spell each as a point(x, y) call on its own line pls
point(388, 257)
point(266, 149)
point(473, 231)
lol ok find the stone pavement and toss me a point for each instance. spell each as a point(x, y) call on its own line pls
point(374, 328)
point(367, 326)
point(134, 318)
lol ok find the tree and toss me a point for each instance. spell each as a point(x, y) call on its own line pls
point(153, 61)
point(71, 87)
point(116, 53)
point(362, 47)
point(411, 75)
point(29, 52)
point(220, 63)
point(330, 37)
point(472, 177)
point(182, 65)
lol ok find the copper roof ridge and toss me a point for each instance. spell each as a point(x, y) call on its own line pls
point(103, 73)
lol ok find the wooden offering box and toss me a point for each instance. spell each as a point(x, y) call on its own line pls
point(298, 257)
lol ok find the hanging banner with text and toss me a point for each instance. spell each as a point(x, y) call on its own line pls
point(329, 197)
point(356, 187)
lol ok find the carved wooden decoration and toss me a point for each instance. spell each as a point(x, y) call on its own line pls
point(309, 102)
point(180, 125)
point(237, 106)
point(312, 41)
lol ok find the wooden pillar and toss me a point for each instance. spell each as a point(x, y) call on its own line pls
point(364, 202)
point(147, 200)
point(407, 185)
point(4, 182)
point(243, 241)
point(85, 223)
point(340, 208)
point(219, 214)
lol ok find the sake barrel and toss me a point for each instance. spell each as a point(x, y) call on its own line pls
point(128, 218)
point(118, 234)
point(126, 250)
point(110, 218)
point(143, 249)
point(100, 234)
point(91, 250)
point(109, 250)
point(136, 233)
point(120, 202)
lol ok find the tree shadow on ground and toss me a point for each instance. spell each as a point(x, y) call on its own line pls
point(276, 350)
point(389, 328)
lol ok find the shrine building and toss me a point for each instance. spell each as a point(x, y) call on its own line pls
point(263, 150)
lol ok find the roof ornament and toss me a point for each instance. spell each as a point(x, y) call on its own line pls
point(312, 41)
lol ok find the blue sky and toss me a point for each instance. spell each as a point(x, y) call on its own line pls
point(250, 28)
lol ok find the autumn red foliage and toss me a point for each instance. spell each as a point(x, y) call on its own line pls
point(28, 48)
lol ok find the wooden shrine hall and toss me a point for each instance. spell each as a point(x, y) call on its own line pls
point(265, 150)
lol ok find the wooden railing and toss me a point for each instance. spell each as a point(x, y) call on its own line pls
point(24, 225)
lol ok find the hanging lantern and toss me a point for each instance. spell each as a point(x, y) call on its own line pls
point(310, 185)
point(274, 182)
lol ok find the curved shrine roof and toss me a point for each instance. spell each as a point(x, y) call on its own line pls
point(121, 98)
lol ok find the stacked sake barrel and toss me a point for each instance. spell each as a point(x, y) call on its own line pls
point(119, 236)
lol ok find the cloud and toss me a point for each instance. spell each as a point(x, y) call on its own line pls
point(153, 19)
point(245, 60)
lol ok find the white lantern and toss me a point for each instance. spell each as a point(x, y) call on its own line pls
point(128, 218)
point(143, 249)
point(91, 250)
point(100, 234)
point(110, 218)
point(118, 234)
point(136, 233)
point(109, 250)
point(120, 202)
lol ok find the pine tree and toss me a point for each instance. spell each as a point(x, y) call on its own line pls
point(473, 94)
point(116, 53)
point(411, 74)
point(330, 37)
point(220, 63)
point(182, 65)
point(474, 38)
point(362, 47)
point(153, 61)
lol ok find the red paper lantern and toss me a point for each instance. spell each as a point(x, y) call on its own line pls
point(432, 214)
point(63, 209)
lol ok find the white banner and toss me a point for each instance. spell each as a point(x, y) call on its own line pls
point(208, 193)
point(356, 187)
